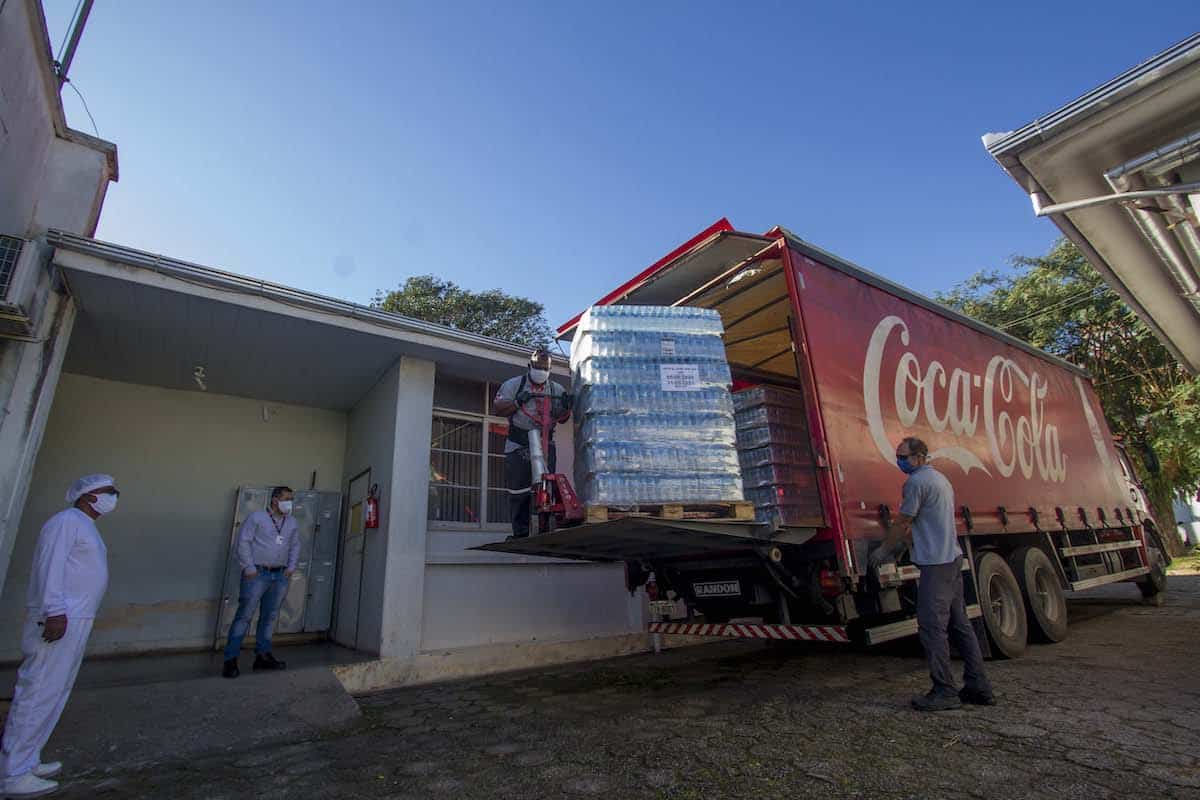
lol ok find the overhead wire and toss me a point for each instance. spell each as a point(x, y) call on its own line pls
point(71, 83)
point(1134, 375)
point(1068, 302)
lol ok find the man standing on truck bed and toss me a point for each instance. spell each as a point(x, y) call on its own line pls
point(927, 517)
point(520, 399)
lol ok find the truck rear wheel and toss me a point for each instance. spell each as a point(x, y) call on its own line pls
point(1003, 609)
point(1045, 603)
point(1154, 585)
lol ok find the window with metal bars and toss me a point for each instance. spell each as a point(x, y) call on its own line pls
point(466, 457)
point(10, 252)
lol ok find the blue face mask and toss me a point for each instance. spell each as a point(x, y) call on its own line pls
point(906, 466)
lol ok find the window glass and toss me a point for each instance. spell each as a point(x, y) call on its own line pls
point(458, 394)
point(456, 470)
point(497, 497)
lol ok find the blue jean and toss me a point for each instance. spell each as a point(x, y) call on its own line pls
point(269, 589)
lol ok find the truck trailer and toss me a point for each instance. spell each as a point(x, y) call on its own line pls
point(1044, 502)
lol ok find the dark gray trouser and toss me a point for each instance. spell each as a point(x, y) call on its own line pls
point(942, 618)
point(518, 475)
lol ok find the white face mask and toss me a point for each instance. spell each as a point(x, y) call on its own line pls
point(285, 506)
point(105, 504)
point(538, 375)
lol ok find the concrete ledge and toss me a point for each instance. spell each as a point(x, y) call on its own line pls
point(469, 662)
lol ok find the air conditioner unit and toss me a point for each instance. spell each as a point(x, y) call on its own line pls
point(18, 278)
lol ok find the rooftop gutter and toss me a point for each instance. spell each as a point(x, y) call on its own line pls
point(228, 281)
point(1005, 146)
point(1008, 148)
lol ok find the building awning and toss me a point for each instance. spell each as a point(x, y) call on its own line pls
point(159, 321)
point(1118, 171)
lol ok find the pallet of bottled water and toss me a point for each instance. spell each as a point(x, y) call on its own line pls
point(775, 456)
point(654, 414)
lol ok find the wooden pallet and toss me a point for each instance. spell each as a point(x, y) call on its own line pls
point(740, 511)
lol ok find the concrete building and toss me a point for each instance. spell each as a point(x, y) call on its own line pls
point(50, 177)
point(1118, 171)
point(198, 389)
point(189, 384)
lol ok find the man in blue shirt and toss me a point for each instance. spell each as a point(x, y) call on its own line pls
point(268, 550)
point(927, 519)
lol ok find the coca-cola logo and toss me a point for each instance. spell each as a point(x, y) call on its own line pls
point(1004, 403)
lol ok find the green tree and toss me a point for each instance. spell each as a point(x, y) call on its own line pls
point(491, 313)
point(1059, 303)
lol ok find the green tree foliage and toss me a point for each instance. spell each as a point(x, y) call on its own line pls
point(491, 313)
point(1059, 303)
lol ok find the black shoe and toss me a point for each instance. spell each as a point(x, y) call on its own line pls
point(231, 669)
point(268, 661)
point(977, 698)
point(936, 701)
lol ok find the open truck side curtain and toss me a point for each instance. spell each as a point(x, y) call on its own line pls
point(1043, 504)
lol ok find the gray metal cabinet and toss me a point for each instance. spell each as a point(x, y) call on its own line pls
point(323, 562)
point(309, 601)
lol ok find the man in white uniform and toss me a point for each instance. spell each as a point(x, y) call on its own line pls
point(66, 584)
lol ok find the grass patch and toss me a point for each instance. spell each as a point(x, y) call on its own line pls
point(1189, 562)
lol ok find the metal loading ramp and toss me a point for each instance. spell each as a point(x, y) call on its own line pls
point(641, 539)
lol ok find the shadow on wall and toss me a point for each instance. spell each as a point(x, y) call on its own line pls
point(178, 458)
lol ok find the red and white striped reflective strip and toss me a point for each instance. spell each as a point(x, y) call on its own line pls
point(797, 633)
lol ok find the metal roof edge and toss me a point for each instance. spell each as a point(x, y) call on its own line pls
point(721, 226)
point(229, 281)
point(880, 282)
point(1047, 126)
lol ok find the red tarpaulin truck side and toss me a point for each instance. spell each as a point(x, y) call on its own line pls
point(1044, 502)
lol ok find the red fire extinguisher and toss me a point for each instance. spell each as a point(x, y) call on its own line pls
point(372, 518)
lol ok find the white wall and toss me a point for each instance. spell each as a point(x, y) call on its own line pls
point(1187, 519)
point(178, 458)
point(72, 189)
point(370, 431)
point(49, 176)
point(476, 598)
point(389, 434)
point(470, 604)
point(405, 585)
point(25, 111)
point(29, 374)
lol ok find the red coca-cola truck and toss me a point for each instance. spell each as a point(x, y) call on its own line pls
point(1044, 501)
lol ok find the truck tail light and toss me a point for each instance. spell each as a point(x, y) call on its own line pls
point(831, 583)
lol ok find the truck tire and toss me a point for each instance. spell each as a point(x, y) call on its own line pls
point(1045, 603)
point(1003, 610)
point(1154, 585)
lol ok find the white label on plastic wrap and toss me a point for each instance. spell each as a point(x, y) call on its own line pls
point(680, 377)
point(668, 347)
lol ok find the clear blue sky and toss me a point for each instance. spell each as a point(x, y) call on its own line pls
point(554, 149)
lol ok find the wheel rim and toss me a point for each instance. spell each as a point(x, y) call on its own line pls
point(1003, 605)
point(1045, 594)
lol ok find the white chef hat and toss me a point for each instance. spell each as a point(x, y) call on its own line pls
point(87, 484)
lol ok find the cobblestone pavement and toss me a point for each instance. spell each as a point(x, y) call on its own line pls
point(1110, 712)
